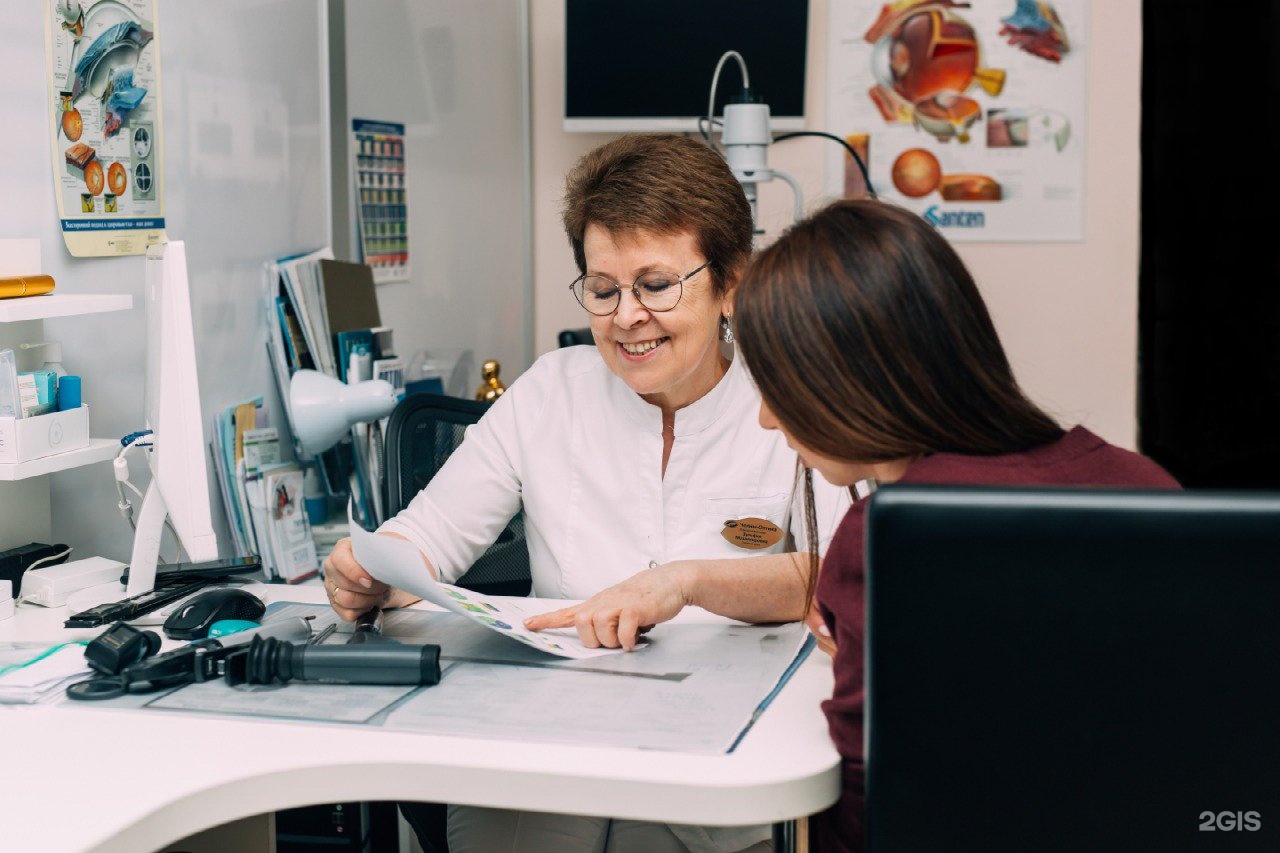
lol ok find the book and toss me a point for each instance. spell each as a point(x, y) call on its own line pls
point(289, 532)
point(227, 447)
point(350, 299)
point(291, 333)
point(297, 280)
point(261, 449)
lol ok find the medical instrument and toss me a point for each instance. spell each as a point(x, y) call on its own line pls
point(202, 660)
point(273, 661)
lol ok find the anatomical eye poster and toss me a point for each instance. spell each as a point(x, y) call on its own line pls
point(972, 114)
point(103, 68)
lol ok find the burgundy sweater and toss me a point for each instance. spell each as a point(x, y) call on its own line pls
point(1079, 458)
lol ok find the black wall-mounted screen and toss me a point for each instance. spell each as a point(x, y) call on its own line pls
point(647, 64)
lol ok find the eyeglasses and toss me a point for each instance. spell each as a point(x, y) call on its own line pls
point(656, 291)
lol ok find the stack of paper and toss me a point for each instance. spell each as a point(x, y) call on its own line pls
point(29, 675)
point(262, 495)
point(322, 314)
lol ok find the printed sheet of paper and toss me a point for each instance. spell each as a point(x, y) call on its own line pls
point(396, 562)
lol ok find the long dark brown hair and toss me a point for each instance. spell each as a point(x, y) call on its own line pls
point(870, 342)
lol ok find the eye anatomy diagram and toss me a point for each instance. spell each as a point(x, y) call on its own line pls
point(104, 80)
point(1036, 28)
point(925, 57)
point(972, 112)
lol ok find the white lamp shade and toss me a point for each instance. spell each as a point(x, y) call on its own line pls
point(324, 408)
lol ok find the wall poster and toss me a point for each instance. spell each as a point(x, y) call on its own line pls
point(972, 114)
point(381, 211)
point(103, 69)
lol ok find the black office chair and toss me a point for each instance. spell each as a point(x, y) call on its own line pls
point(422, 433)
point(574, 337)
point(424, 429)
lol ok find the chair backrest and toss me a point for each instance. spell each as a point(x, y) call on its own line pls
point(1071, 669)
point(423, 431)
point(574, 337)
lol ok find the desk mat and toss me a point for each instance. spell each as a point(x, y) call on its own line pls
point(695, 687)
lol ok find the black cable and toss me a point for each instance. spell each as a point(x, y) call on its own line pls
point(862, 167)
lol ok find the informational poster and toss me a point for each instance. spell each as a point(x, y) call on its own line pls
point(972, 113)
point(381, 212)
point(103, 68)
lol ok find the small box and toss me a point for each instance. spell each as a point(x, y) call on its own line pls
point(24, 439)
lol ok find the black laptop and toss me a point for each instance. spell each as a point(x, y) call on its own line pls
point(1068, 669)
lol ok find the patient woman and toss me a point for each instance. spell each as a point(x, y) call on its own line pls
point(627, 457)
point(876, 358)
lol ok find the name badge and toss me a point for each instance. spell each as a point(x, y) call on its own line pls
point(751, 533)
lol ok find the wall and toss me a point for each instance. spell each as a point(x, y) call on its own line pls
point(245, 181)
point(247, 167)
point(1067, 313)
point(455, 75)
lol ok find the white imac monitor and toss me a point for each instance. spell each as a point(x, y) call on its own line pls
point(179, 487)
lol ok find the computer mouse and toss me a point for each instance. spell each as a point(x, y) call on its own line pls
point(191, 621)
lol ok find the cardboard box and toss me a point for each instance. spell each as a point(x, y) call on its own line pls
point(24, 439)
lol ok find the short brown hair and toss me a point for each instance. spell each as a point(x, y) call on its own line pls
point(665, 184)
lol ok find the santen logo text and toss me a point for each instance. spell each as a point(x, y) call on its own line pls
point(955, 218)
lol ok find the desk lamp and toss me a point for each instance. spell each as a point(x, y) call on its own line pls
point(324, 408)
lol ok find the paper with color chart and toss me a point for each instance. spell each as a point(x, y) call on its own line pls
point(395, 561)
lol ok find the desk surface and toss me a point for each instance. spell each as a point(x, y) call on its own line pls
point(87, 778)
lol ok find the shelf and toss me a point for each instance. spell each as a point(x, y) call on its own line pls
point(61, 305)
point(99, 450)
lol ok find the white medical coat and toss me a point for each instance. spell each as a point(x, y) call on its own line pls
point(582, 453)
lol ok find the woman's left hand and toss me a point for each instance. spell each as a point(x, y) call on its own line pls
point(616, 617)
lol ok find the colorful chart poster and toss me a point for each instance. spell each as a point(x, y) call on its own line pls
point(381, 211)
point(103, 68)
point(972, 114)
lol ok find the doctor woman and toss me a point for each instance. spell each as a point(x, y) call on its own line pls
point(628, 457)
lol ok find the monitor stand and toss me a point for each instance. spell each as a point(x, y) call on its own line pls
point(142, 565)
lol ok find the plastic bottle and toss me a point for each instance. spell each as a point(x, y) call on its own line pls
point(52, 356)
point(313, 498)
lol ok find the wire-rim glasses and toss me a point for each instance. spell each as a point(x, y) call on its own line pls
point(656, 290)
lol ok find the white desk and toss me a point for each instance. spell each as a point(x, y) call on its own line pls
point(83, 778)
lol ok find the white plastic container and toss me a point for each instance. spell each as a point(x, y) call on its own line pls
point(24, 439)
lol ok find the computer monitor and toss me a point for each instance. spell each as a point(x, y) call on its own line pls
point(1067, 669)
point(648, 66)
point(179, 488)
